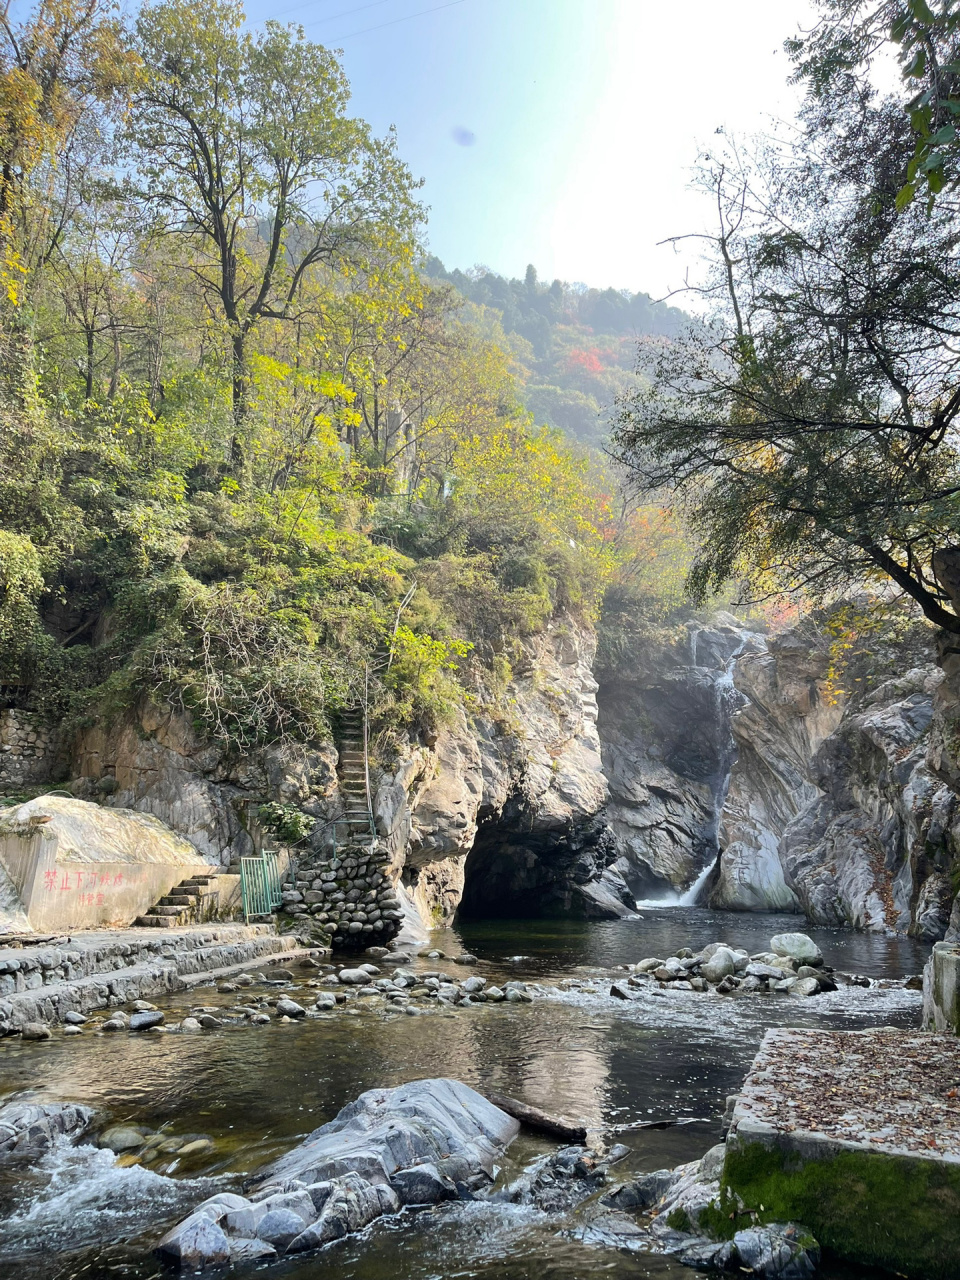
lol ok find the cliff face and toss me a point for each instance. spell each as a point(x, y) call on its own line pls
point(506, 818)
point(784, 716)
point(667, 753)
point(495, 817)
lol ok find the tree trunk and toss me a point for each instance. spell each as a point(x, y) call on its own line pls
point(239, 405)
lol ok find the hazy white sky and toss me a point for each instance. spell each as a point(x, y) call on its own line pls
point(559, 132)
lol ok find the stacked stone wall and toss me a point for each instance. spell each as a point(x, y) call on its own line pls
point(29, 750)
point(351, 897)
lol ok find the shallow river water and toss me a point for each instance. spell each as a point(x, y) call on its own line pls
point(257, 1090)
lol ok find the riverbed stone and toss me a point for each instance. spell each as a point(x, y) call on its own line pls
point(146, 1019)
point(798, 947)
point(120, 1137)
point(290, 1009)
point(805, 987)
point(719, 966)
point(35, 1031)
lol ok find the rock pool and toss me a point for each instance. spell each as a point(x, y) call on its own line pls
point(256, 1090)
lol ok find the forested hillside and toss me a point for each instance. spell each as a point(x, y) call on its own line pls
point(575, 348)
point(250, 448)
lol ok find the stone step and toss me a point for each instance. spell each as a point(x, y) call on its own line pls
point(152, 921)
point(178, 900)
point(162, 910)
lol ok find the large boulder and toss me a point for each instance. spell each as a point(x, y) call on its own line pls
point(798, 947)
point(416, 1144)
point(29, 1128)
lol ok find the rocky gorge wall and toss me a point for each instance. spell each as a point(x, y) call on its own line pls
point(723, 770)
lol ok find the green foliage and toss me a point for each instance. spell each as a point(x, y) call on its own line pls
point(288, 823)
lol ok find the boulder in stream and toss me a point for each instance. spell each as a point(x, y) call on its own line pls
point(29, 1128)
point(415, 1144)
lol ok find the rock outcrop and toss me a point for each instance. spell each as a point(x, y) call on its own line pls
point(505, 816)
point(785, 715)
point(417, 1144)
point(154, 762)
point(875, 849)
point(668, 750)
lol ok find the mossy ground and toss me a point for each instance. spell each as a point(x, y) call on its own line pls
point(892, 1212)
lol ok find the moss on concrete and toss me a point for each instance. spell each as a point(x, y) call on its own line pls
point(893, 1212)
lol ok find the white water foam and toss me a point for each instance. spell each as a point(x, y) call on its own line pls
point(78, 1196)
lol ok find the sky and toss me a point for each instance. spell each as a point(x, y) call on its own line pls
point(560, 132)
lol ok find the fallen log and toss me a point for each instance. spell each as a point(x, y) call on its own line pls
point(534, 1118)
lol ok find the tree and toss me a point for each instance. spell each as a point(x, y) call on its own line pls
point(837, 55)
point(250, 157)
point(811, 427)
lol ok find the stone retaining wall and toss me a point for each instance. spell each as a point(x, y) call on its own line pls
point(941, 989)
point(28, 749)
point(348, 897)
point(92, 971)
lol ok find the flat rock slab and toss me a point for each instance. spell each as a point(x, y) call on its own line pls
point(857, 1135)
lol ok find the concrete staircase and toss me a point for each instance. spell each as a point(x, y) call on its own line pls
point(187, 903)
point(352, 774)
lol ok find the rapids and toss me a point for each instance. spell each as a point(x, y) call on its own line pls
point(257, 1090)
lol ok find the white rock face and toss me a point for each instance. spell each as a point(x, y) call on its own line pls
point(786, 714)
point(873, 849)
point(509, 812)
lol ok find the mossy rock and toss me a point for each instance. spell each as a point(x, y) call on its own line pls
point(893, 1212)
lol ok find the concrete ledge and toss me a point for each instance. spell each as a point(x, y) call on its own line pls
point(941, 989)
point(856, 1135)
point(86, 972)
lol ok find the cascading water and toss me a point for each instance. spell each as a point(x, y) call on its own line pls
point(726, 701)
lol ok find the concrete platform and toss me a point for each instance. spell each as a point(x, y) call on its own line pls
point(104, 968)
point(855, 1134)
point(941, 989)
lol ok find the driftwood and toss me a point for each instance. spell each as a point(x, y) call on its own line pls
point(534, 1118)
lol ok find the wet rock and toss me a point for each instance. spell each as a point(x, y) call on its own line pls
point(73, 1031)
point(620, 991)
point(145, 1020)
point(190, 1025)
point(777, 1251)
point(643, 1192)
point(35, 1031)
point(28, 1129)
point(465, 958)
point(74, 1019)
point(279, 1227)
point(798, 947)
point(805, 987)
point(353, 977)
point(719, 966)
point(248, 1250)
point(195, 1244)
point(648, 965)
point(350, 1171)
point(120, 1137)
point(290, 1009)
point(422, 1184)
point(209, 1022)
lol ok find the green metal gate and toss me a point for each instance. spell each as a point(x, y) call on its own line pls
point(260, 884)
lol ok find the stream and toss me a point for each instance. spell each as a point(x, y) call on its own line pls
point(256, 1091)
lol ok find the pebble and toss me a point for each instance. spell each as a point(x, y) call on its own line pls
point(72, 1031)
